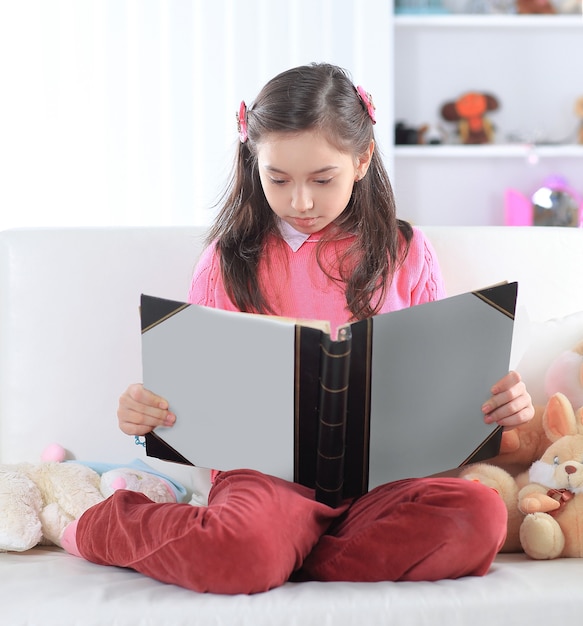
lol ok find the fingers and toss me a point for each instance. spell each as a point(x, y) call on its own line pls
point(140, 411)
point(510, 404)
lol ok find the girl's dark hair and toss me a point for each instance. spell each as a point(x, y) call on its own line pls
point(318, 97)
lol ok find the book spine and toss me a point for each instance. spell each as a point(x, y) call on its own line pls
point(334, 375)
point(356, 450)
point(306, 404)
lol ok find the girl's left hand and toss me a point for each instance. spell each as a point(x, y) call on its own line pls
point(510, 404)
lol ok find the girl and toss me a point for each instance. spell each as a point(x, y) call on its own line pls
point(307, 229)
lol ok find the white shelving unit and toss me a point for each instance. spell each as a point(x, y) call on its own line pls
point(533, 64)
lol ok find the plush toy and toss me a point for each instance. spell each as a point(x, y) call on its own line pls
point(553, 499)
point(37, 501)
point(528, 443)
point(156, 488)
point(548, 6)
point(565, 375)
point(579, 114)
point(469, 111)
point(548, 485)
point(568, 6)
point(535, 6)
point(507, 487)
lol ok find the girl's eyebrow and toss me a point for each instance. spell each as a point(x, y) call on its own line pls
point(322, 170)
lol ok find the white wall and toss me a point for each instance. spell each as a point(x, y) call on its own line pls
point(122, 112)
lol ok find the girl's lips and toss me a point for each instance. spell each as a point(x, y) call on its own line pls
point(303, 222)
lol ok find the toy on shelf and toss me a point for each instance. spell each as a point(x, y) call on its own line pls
point(422, 135)
point(469, 111)
point(499, 7)
point(548, 7)
point(579, 114)
point(568, 7)
point(555, 203)
point(406, 135)
point(535, 6)
point(419, 6)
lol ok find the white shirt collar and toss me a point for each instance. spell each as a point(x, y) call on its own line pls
point(291, 236)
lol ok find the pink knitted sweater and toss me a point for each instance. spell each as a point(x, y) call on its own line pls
point(296, 287)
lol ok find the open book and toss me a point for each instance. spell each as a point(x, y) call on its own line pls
point(394, 396)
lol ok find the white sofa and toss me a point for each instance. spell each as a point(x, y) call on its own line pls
point(70, 343)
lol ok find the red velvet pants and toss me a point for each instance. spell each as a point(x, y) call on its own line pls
point(258, 530)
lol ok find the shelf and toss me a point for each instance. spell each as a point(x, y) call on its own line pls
point(489, 21)
point(520, 58)
point(489, 151)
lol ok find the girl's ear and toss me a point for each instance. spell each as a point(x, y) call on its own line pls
point(363, 162)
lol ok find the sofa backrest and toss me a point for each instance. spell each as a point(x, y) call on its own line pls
point(69, 319)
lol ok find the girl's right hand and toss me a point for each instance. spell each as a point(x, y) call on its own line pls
point(140, 411)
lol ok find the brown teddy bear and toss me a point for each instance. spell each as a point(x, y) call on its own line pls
point(544, 503)
point(553, 499)
point(535, 6)
point(520, 447)
point(469, 111)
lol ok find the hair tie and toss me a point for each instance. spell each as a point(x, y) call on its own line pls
point(366, 99)
point(242, 122)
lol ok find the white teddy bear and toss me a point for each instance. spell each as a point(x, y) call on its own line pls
point(37, 501)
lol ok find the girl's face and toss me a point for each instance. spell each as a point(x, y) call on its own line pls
point(306, 180)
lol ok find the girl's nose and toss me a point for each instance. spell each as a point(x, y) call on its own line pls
point(301, 200)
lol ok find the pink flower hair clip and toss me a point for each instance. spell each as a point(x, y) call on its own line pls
point(366, 99)
point(242, 122)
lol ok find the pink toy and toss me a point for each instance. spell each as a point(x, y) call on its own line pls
point(155, 487)
point(54, 452)
point(536, 210)
point(565, 375)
